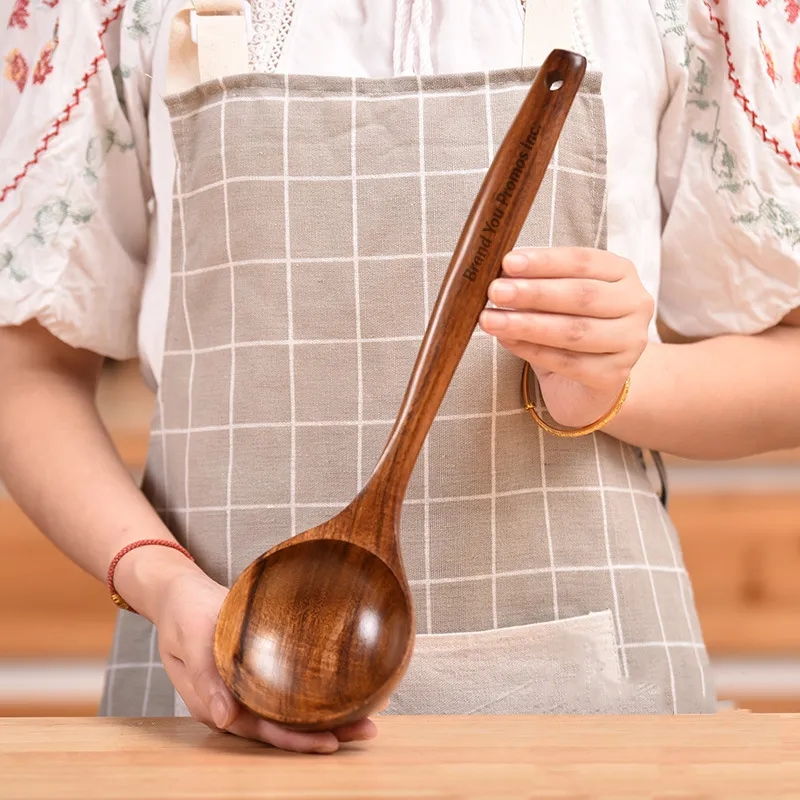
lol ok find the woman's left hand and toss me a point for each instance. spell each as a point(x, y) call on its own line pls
point(580, 317)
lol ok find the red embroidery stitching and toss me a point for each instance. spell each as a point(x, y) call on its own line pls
point(769, 59)
point(17, 69)
point(791, 7)
point(797, 65)
point(19, 15)
point(65, 115)
point(44, 66)
point(739, 94)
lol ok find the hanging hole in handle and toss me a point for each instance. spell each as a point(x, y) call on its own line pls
point(554, 81)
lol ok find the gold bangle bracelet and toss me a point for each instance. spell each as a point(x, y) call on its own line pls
point(571, 433)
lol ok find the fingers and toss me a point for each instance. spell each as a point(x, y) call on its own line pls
point(248, 726)
point(185, 639)
point(219, 711)
point(234, 719)
point(577, 296)
point(566, 262)
point(581, 334)
point(214, 695)
point(195, 668)
point(179, 676)
point(360, 731)
point(230, 716)
point(597, 371)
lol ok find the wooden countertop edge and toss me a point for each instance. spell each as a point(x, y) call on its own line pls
point(696, 736)
point(725, 719)
point(731, 754)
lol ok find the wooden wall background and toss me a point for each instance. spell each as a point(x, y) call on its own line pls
point(741, 540)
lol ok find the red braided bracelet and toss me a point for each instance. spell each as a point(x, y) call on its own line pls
point(115, 597)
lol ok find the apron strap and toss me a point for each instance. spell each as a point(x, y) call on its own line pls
point(208, 39)
point(549, 25)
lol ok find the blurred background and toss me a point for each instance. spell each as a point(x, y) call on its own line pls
point(739, 524)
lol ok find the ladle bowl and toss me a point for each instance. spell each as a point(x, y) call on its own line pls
point(319, 631)
point(326, 637)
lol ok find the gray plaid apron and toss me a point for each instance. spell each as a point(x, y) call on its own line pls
point(313, 221)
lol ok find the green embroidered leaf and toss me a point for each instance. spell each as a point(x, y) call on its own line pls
point(770, 213)
point(58, 213)
point(83, 216)
point(119, 74)
point(7, 259)
point(673, 17)
point(728, 159)
point(140, 26)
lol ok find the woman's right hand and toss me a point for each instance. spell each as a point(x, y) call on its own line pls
point(61, 466)
point(185, 613)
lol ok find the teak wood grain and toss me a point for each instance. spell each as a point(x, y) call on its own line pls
point(734, 756)
point(319, 631)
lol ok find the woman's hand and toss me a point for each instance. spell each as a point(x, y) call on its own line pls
point(185, 620)
point(580, 317)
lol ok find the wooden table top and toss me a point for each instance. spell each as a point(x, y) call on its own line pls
point(728, 755)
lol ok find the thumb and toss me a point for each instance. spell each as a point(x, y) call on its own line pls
point(214, 695)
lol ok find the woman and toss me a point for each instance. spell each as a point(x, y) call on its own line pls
point(263, 213)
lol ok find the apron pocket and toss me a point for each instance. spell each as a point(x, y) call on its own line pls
point(568, 666)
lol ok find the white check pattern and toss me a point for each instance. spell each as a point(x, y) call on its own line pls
point(305, 269)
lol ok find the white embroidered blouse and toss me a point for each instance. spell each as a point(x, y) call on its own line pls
point(702, 100)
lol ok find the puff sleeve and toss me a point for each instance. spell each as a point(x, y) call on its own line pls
point(729, 165)
point(74, 191)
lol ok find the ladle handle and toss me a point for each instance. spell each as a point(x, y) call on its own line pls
point(491, 230)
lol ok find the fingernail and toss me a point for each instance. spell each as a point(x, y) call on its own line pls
point(330, 745)
point(219, 711)
point(515, 262)
point(503, 291)
point(493, 320)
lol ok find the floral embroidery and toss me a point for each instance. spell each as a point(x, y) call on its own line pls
point(796, 132)
point(44, 65)
point(791, 7)
point(743, 99)
point(766, 211)
point(120, 74)
point(49, 220)
point(675, 17)
point(797, 65)
point(768, 57)
point(66, 113)
point(50, 3)
point(20, 14)
point(17, 69)
point(58, 213)
point(97, 152)
point(139, 26)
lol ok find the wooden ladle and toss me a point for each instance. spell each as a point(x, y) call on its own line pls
point(319, 631)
